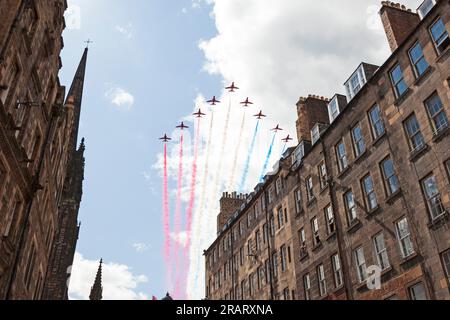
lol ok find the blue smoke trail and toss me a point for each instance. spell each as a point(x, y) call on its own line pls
point(247, 162)
point(266, 164)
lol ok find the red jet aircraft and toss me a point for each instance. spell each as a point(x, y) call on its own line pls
point(287, 139)
point(260, 115)
point(246, 102)
point(199, 114)
point(277, 128)
point(213, 101)
point(165, 138)
point(182, 126)
point(232, 88)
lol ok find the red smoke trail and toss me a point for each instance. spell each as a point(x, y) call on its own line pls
point(189, 212)
point(166, 216)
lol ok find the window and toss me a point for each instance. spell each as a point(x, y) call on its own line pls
point(241, 256)
point(310, 188)
point(404, 238)
point(433, 197)
point(267, 270)
point(243, 289)
point(315, 230)
point(398, 81)
point(358, 141)
point(440, 36)
point(381, 251)
point(280, 218)
point(390, 178)
point(356, 82)
point(269, 195)
point(333, 109)
point(323, 175)
point(257, 210)
point(341, 156)
point(418, 60)
point(302, 237)
point(249, 219)
point(283, 252)
point(426, 7)
point(278, 187)
point(415, 137)
point(321, 279)
point(298, 201)
point(315, 134)
point(286, 294)
point(307, 286)
point(258, 240)
point(376, 122)
point(272, 226)
point(329, 218)
point(265, 233)
point(417, 292)
point(446, 262)
point(275, 265)
point(350, 207)
point(436, 112)
point(337, 270)
point(369, 193)
point(261, 278)
point(360, 261)
point(241, 228)
point(250, 252)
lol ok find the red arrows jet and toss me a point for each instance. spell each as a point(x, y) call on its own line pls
point(287, 139)
point(165, 138)
point(182, 126)
point(213, 101)
point(260, 115)
point(277, 128)
point(232, 88)
point(246, 102)
point(199, 114)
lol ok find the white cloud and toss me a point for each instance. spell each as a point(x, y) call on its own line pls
point(73, 16)
point(120, 98)
point(180, 238)
point(140, 247)
point(119, 282)
point(126, 30)
point(276, 51)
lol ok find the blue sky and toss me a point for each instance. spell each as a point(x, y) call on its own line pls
point(159, 64)
point(150, 63)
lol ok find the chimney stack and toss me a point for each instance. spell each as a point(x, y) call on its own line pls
point(311, 110)
point(398, 22)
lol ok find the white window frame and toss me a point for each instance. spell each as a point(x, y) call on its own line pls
point(321, 280)
point(337, 270)
point(360, 264)
point(380, 251)
point(404, 240)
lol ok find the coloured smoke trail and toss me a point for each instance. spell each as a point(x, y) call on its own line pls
point(166, 216)
point(269, 154)
point(181, 283)
point(236, 153)
point(249, 157)
point(177, 223)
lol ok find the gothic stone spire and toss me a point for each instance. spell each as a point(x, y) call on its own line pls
point(97, 289)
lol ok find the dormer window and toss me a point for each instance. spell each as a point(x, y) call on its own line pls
point(425, 7)
point(317, 131)
point(299, 153)
point(333, 109)
point(355, 83)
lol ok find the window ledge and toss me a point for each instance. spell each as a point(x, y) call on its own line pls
point(409, 259)
point(361, 157)
point(311, 202)
point(379, 139)
point(386, 271)
point(441, 134)
point(354, 226)
point(331, 236)
point(417, 154)
point(439, 221)
point(322, 190)
point(443, 55)
point(393, 197)
point(424, 76)
point(344, 172)
point(300, 213)
point(304, 256)
point(317, 247)
point(373, 212)
point(362, 286)
point(403, 97)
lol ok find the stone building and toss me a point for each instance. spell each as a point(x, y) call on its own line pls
point(41, 170)
point(365, 196)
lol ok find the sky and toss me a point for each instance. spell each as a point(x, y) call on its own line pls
point(151, 64)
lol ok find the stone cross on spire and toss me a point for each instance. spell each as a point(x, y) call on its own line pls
point(97, 289)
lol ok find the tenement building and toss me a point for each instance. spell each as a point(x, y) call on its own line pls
point(360, 208)
point(41, 166)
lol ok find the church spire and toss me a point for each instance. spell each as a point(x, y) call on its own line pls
point(75, 97)
point(97, 289)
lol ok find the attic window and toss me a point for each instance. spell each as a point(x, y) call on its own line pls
point(356, 82)
point(333, 110)
point(425, 8)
